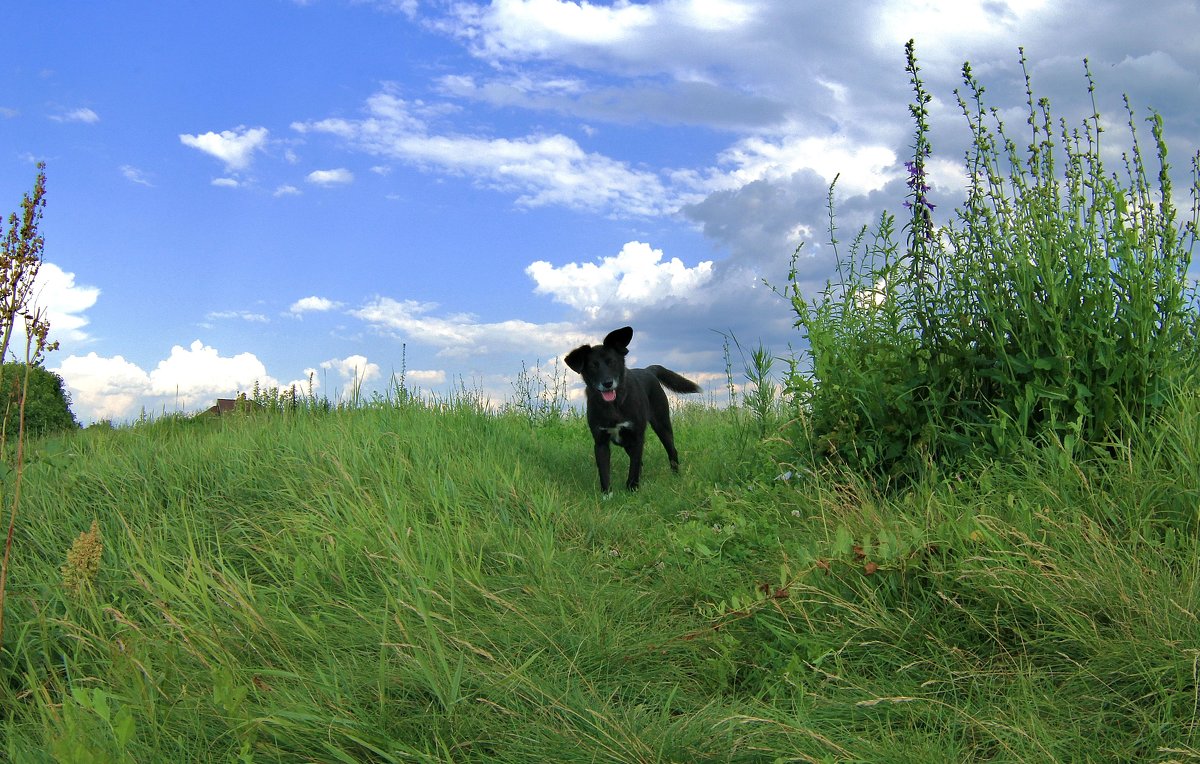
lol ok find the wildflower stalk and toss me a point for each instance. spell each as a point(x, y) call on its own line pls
point(923, 271)
point(36, 330)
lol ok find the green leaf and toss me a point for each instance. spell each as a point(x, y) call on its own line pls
point(1047, 363)
point(843, 542)
point(124, 726)
point(100, 704)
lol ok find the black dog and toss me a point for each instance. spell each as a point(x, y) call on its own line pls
point(620, 402)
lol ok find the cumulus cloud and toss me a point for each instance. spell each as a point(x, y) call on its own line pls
point(201, 371)
point(354, 368)
point(189, 379)
point(524, 29)
point(340, 176)
point(862, 168)
point(635, 278)
point(64, 302)
point(425, 377)
point(236, 147)
point(312, 304)
point(521, 28)
point(103, 388)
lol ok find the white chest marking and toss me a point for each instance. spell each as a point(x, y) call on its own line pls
point(615, 432)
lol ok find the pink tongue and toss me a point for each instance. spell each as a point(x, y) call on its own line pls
point(609, 395)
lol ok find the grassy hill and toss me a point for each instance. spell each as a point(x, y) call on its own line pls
point(973, 536)
point(417, 583)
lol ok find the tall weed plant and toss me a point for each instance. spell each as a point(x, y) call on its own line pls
point(1055, 304)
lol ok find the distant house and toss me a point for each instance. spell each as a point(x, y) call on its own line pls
point(230, 405)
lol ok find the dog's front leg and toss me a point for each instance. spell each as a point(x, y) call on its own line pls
point(603, 462)
point(633, 446)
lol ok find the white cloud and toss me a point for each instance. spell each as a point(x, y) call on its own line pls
point(235, 147)
point(354, 368)
point(546, 170)
point(330, 177)
point(673, 36)
point(312, 304)
point(189, 379)
point(425, 377)
point(84, 115)
point(134, 175)
point(463, 335)
point(635, 278)
point(287, 190)
point(540, 169)
point(201, 371)
point(226, 182)
point(64, 301)
point(521, 28)
point(938, 25)
point(103, 388)
point(863, 168)
point(646, 101)
point(244, 315)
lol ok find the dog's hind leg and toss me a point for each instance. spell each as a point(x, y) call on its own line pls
point(667, 436)
point(660, 419)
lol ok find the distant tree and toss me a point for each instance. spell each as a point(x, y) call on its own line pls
point(47, 401)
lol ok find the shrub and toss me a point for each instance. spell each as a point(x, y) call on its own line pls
point(47, 407)
point(1055, 305)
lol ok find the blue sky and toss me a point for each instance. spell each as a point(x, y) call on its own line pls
point(246, 190)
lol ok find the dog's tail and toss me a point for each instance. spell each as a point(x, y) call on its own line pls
point(673, 381)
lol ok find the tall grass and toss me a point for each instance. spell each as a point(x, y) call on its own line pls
point(399, 582)
point(1040, 610)
point(435, 583)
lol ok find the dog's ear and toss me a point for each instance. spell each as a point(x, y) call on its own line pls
point(577, 358)
point(618, 339)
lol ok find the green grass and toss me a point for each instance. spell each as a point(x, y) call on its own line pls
point(407, 583)
point(969, 531)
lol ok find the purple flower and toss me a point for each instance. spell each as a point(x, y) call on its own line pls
point(916, 183)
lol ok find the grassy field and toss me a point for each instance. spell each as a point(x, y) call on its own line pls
point(416, 583)
point(968, 531)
